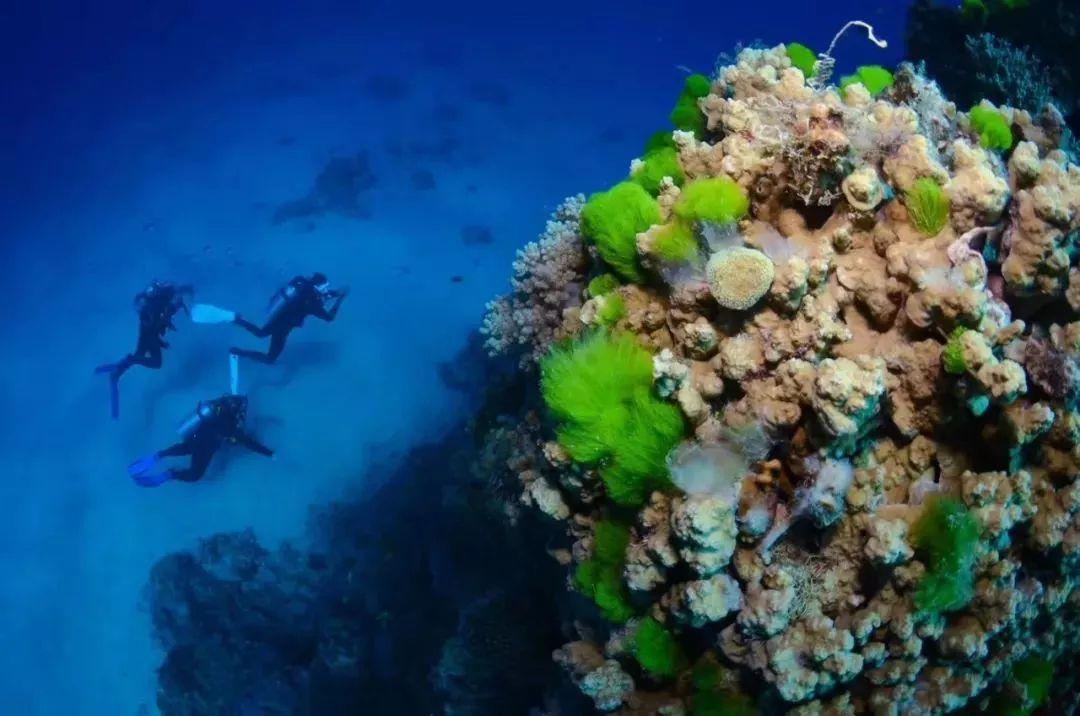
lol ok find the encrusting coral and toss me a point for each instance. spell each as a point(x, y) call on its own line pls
point(826, 459)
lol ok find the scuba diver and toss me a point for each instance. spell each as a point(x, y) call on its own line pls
point(300, 298)
point(213, 424)
point(156, 306)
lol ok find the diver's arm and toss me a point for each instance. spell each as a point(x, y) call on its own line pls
point(254, 445)
point(321, 312)
point(183, 293)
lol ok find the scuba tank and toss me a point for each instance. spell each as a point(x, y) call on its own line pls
point(203, 412)
point(283, 298)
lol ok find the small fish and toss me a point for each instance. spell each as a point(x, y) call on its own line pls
point(457, 279)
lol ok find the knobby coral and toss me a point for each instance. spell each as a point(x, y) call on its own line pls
point(838, 420)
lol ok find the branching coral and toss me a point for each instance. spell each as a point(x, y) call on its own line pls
point(548, 274)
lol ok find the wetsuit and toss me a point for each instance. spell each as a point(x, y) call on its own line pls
point(295, 302)
point(157, 306)
point(219, 422)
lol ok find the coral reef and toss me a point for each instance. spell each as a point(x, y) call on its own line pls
point(865, 304)
point(549, 275)
point(1020, 53)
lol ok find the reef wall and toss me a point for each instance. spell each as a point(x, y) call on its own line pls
point(809, 421)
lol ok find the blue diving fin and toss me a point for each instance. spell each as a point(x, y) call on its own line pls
point(142, 471)
point(152, 479)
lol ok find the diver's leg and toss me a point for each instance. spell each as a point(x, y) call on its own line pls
point(200, 460)
point(332, 313)
point(149, 356)
point(118, 369)
point(257, 331)
point(115, 371)
point(277, 344)
point(177, 450)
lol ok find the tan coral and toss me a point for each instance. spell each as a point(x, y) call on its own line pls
point(977, 192)
point(1046, 213)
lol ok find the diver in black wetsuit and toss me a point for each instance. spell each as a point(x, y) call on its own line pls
point(156, 306)
point(213, 424)
point(300, 298)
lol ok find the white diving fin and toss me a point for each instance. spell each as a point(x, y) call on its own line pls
point(234, 374)
point(205, 313)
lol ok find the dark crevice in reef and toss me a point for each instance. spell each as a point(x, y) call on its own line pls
point(419, 598)
point(1024, 56)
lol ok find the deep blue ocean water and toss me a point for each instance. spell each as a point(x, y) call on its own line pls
point(162, 140)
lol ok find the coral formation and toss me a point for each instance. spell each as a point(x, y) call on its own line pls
point(1015, 52)
point(828, 460)
point(548, 276)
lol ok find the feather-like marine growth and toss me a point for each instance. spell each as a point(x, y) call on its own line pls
point(945, 534)
point(613, 219)
point(803, 58)
point(718, 200)
point(992, 127)
point(656, 650)
point(687, 114)
point(675, 242)
point(600, 577)
point(655, 165)
point(599, 389)
point(875, 78)
point(927, 206)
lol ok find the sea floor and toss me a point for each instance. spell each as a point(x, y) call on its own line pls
point(203, 190)
point(403, 163)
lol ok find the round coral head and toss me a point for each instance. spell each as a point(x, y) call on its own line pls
point(739, 277)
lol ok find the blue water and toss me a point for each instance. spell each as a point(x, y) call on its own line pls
point(158, 139)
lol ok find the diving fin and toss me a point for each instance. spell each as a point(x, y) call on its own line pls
point(114, 399)
point(114, 387)
point(206, 313)
point(105, 368)
point(152, 479)
point(234, 374)
point(141, 471)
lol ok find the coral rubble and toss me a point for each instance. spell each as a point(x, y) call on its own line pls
point(875, 503)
